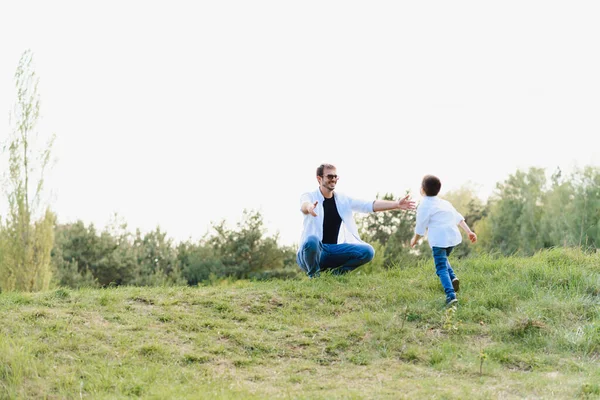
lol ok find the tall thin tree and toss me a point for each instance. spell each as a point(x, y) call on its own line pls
point(27, 232)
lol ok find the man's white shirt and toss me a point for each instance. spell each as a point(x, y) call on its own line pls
point(345, 206)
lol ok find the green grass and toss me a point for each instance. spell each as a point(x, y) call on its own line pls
point(525, 328)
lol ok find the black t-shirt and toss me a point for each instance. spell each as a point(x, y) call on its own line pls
point(331, 221)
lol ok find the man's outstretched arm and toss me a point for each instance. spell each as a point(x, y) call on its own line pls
point(404, 203)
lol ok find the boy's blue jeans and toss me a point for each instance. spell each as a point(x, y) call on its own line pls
point(444, 270)
point(314, 256)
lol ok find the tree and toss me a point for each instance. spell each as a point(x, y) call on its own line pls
point(514, 222)
point(27, 234)
point(245, 251)
point(199, 262)
point(156, 259)
point(105, 258)
point(560, 219)
point(585, 207)
point(242, 253)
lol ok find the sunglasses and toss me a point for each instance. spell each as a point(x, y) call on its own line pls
point(332, 177)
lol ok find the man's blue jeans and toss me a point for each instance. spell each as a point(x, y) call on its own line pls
point(315, 256)
point(444, 270)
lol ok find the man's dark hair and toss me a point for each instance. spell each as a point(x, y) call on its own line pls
point(431, 185)
point(322, 167)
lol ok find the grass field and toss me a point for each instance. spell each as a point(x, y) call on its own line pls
point(525, 328)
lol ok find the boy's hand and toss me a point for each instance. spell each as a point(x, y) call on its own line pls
point(413, 241)
point(472, 237)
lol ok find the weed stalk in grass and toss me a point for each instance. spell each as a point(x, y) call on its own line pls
point(482, 358)
point(448, 322)
point(404, 319)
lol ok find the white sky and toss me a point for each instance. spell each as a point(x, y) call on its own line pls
point(179, 113)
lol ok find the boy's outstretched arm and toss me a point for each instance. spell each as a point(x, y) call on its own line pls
point(465, 227)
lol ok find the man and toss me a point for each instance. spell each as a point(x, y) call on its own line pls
point(330, 239)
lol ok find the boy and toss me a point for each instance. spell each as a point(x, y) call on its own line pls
point(440, 219)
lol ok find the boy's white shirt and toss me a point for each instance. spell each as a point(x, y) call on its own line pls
point(439, 219)
point(345, 206)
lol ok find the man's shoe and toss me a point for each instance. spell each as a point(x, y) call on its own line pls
point(456, 284)
point(452, 303)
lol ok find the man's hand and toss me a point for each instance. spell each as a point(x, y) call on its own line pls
point(406, 204)
point(311, 209)
point(402, 204)
point(308, 208)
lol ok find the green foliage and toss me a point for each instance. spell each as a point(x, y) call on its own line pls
point(156, 260)
point(72, 255)
point(515, 215)
point(525, 215)
point(200, 263)
point(27, 234)
point(560, 217)
point(244, 251)
point(84, 257)
point(586, 207)
point(103, 259)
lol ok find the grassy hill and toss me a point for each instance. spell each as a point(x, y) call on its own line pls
point(525, 328)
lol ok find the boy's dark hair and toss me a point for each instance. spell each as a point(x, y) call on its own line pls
point(322, 167)
point(431, 185)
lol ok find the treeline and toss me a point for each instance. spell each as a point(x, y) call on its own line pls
point(527, 212)
point(82, 256)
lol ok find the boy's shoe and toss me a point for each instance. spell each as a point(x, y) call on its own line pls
point(456, 284)
point(452, 303)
